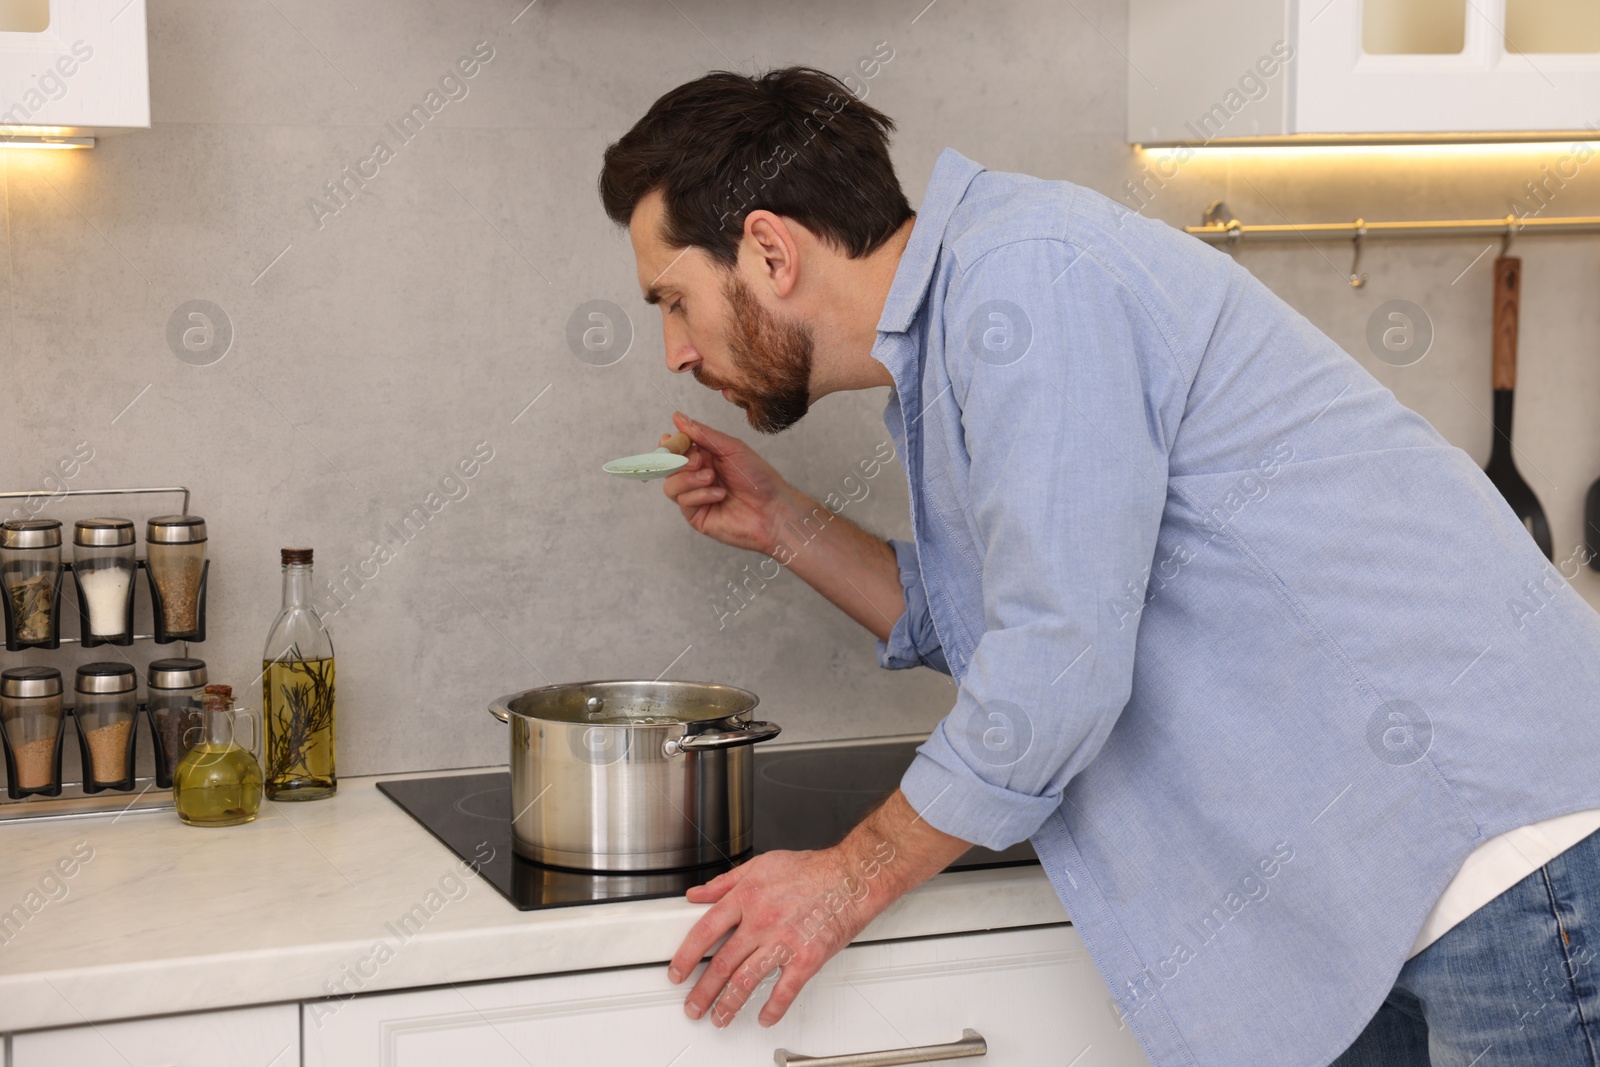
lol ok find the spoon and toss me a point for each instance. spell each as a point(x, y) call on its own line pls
point(647, 465)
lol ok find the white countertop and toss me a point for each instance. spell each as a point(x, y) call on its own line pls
point(167, 918)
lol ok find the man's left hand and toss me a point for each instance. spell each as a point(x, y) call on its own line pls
point(791, 911)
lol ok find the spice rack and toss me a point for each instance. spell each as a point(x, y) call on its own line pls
point(146, 793)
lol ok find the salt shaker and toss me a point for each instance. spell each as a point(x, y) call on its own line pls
point(102, 567)
point(30, 570)
point(175, 556)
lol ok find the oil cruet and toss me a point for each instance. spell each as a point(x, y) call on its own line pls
point(218, 781)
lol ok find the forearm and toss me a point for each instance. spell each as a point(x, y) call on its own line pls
point(851, 567)
point(894, 850)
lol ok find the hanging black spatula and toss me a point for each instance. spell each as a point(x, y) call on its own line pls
point(1591, 525)
point(1501, 468)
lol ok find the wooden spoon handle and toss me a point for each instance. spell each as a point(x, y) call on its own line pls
point(1507, 298)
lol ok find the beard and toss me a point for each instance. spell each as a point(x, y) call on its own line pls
point(773, 359)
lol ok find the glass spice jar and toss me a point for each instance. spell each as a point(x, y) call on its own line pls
point(105, 711)
point(175, 556)
point(102, 568)
point(31, 721)
point(175, 687)
point(30, 571)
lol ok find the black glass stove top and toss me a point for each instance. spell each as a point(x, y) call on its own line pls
point(805, 798)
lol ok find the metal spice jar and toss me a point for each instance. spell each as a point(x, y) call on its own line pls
point(175, 687)
point(105, 713)
point(175, 555)
point(30, 571)
point(31, 721)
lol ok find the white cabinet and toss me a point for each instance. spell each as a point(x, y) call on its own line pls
point(74, 63)
point(260, 1037)
point(1032, 993)
point(1360, 70)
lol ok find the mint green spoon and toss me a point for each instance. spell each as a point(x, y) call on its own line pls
point(658, 464)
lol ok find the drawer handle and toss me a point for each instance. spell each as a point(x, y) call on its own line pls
point(971, 1044)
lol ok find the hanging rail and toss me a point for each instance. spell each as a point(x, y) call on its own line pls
point(1220, 227)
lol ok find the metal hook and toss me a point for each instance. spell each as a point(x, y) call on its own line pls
point(1358, 280)
point(1218, 215)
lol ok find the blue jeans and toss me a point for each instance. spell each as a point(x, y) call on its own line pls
point(1515, 983)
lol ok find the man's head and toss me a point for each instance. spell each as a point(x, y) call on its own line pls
point(737, 193)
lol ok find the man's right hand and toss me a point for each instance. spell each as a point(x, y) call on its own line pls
point(727, 491)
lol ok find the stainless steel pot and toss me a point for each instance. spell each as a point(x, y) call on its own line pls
point(631, 776)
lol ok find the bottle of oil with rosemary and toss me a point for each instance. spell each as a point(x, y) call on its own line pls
point(297, 692)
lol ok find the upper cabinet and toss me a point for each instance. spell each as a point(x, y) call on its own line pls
point(78, 64)
point(1291, 71)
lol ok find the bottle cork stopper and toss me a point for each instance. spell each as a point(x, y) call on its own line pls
point(220, 691)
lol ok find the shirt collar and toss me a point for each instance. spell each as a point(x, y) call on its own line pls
point(952, 173)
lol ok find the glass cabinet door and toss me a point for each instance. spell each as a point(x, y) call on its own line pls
point(1413, 27)
point(1552, 27)
point(24, 16)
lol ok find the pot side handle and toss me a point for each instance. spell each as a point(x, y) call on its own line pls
point(499, 711)
point(747, 734)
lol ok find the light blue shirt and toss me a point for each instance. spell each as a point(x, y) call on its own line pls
point(1251, 653)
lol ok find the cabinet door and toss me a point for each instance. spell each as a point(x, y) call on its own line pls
point(79, 63)
point(1032, 993)
point(1472, 79)
point(261, 1037)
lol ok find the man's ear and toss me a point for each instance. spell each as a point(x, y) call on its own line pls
point(773, 250)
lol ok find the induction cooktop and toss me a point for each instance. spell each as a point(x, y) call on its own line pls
point(806, 797)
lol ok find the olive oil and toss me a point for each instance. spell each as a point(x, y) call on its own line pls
point(217, 785)
point(298, 702)
point(218, 782)
point(297, 692)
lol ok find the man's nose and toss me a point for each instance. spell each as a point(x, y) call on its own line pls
point(681, 355)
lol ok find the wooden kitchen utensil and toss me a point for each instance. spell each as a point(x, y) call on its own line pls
point(1501, 468)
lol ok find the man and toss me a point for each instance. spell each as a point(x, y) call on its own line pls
point(1300, 722)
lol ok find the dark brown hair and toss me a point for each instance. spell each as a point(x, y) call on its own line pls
point(794, 141)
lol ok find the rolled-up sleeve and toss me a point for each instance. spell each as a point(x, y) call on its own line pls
point(1065, 490)
point(912, 642)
